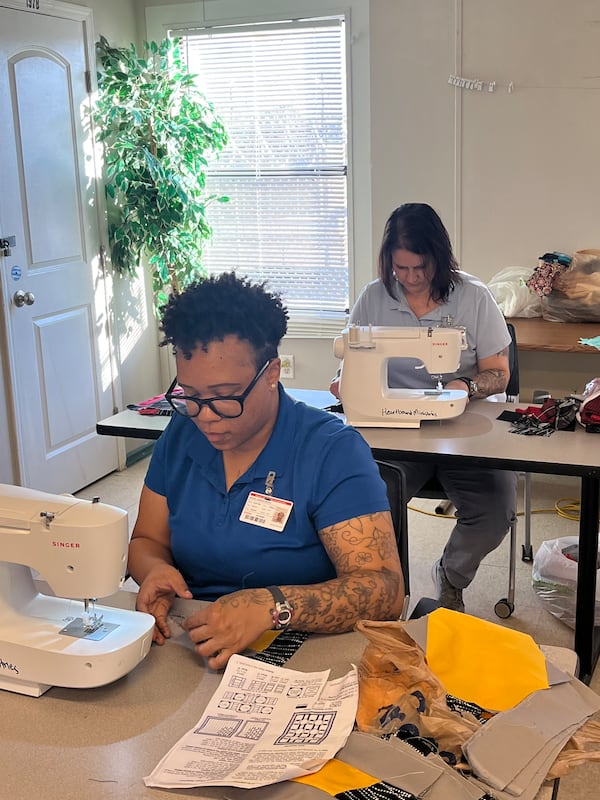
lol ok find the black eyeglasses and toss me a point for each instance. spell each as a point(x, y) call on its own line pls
point(225, 407)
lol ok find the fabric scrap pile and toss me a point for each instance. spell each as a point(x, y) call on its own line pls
point(553, 415)
point(460, 691)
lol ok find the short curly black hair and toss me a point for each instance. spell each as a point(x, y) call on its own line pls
point(211, 308)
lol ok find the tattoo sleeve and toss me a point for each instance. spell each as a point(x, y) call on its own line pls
point(369, 581)
point(492, 381)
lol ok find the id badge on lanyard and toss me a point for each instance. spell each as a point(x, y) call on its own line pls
point(266, 510)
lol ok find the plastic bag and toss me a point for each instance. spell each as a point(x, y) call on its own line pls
point(399, 695)
point(554, 578)
point(513, 296)
point(575, 295)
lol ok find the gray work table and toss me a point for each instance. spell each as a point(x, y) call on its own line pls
point(478, 438)
point(99, 744)
point(475, 438)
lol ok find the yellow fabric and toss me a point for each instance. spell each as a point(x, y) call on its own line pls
point(482, 662)
point(264, 640)
point(336, 776)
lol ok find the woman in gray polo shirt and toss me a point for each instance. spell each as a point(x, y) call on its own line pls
point(420, 283)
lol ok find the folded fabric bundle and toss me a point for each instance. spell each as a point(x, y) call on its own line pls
point(156, 406)
point(514, 750)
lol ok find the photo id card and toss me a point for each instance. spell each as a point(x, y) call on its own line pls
point(267, 511)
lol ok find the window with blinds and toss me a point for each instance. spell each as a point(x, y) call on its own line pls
point(281, 92)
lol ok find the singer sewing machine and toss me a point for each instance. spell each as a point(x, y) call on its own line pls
point(80, 549)
point(366, 396)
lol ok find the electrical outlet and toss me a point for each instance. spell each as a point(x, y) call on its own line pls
point(287, 366)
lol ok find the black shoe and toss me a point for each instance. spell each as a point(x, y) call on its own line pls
point(447, 594)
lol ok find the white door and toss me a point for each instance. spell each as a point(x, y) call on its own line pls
point(58, 347)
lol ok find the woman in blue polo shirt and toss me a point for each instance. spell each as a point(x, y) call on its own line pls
point(271, 509)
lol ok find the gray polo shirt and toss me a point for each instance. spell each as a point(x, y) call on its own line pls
point(471, 305)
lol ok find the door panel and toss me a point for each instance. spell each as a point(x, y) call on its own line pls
point(48, 162)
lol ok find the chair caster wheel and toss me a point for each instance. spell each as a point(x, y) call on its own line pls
point(527, 553)
point(504, 609)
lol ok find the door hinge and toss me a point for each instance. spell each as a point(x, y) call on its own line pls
point(88, 81)
point(102, 256)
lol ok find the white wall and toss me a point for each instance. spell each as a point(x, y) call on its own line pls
point(526, 161)
point(513, 174)
point(115, 19)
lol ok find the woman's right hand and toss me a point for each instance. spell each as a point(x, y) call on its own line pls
point(160, 587)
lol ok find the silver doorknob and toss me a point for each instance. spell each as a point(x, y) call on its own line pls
point(21, 298)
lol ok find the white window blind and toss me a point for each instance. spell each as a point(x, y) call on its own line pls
point(280, 91)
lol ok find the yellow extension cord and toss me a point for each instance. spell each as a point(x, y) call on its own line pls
point(565, 507)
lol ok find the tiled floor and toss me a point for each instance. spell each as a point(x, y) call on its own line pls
point(427, 537)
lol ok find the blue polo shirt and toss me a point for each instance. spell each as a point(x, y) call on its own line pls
point(322, 465)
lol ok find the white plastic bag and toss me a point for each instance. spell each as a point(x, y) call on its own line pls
point(554, 578)
point(512, 295)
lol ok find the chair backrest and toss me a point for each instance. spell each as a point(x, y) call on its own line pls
point(395, 482)
point(512, 390)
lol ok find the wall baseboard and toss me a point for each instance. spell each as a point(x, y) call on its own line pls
point(138, 454)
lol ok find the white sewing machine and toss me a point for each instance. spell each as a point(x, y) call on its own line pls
point(368, 400)
point(80, 548)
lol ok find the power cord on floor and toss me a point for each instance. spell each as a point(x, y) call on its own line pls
point(565, 507)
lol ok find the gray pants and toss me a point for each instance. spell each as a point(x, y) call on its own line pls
point(485, 501)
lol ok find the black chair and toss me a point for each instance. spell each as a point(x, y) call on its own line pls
point(433, 490)
point(395, 482)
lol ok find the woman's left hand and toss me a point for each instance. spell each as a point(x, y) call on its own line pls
point(230, 624)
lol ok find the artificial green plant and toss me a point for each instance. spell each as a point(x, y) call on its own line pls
point(157, 130)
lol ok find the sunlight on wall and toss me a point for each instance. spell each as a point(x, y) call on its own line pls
point(133, 314)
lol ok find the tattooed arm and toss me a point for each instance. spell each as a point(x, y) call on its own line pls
point(368, 585)
point(491, 378)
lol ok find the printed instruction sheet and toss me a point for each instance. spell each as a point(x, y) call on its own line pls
point(264, 724)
